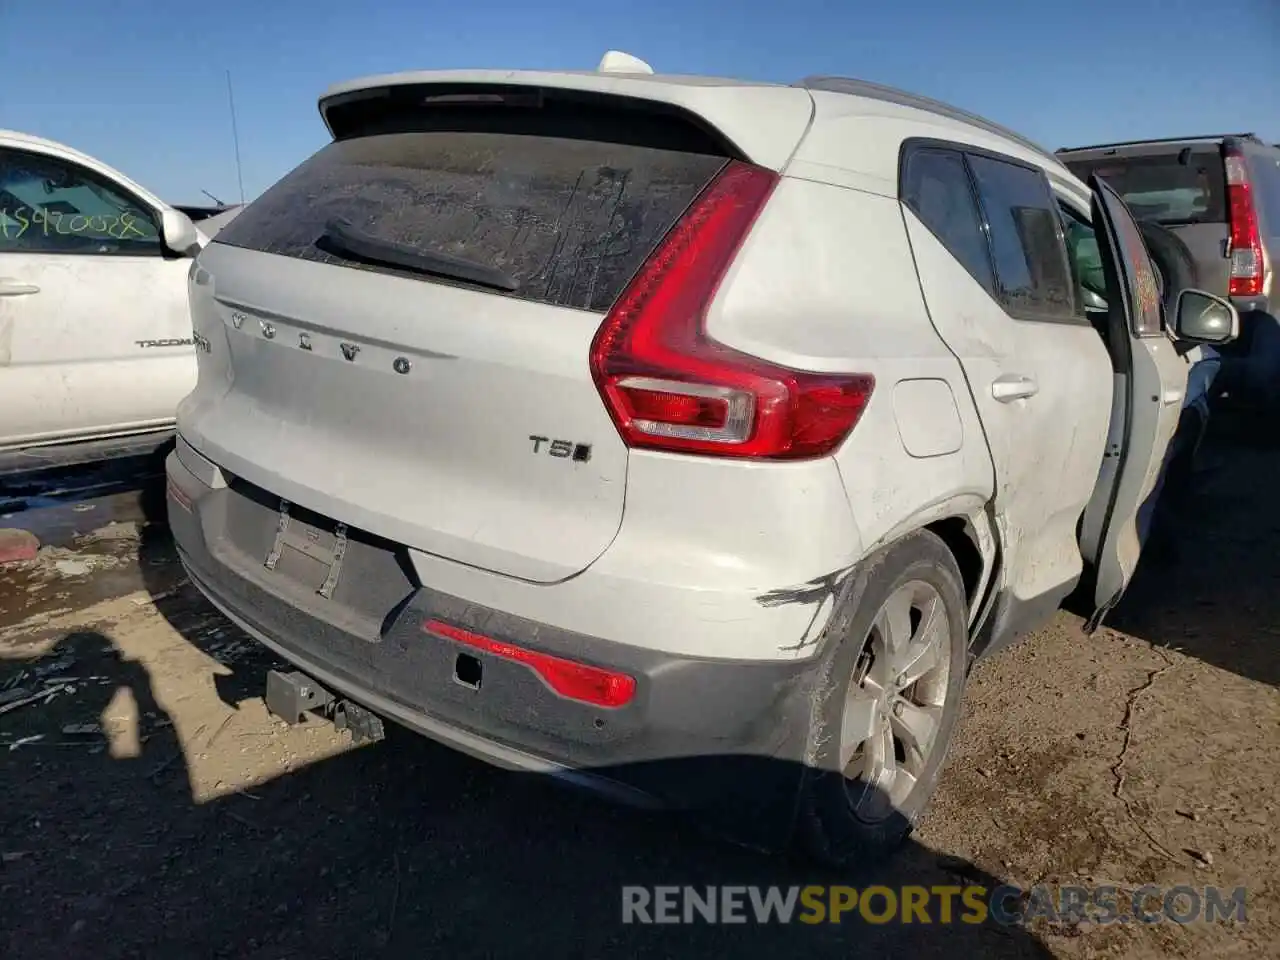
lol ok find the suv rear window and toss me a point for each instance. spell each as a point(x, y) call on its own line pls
point(1162, 189)
point(561, 212)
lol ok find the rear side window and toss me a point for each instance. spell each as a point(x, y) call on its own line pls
point(1170, 189)
point(935, 185)
point(537, 210)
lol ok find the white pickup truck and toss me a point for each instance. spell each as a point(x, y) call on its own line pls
point(95, 332)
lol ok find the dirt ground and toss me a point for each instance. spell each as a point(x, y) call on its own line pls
point(152, 807)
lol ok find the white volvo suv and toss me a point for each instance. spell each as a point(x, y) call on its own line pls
point(649, 430)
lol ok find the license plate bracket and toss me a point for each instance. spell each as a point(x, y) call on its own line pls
point(324, 546)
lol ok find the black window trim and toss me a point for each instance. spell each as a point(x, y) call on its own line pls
point(914, 145)
point(154, 215)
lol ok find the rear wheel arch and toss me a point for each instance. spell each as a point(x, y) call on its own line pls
point(961, 539)
point(969, 533)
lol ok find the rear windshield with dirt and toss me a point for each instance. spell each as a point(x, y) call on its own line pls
point(518, 202)
point(1170, 189)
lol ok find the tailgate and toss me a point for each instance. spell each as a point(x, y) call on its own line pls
point(399, 330)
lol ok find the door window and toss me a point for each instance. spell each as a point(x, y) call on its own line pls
point(48, 205)
point(1033, 273)
point(1085, 254)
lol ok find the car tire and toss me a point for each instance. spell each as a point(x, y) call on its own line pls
point(848, 811)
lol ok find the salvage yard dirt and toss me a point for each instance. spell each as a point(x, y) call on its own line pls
point(152, 807)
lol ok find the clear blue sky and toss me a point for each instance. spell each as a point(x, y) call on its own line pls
point(142, 84)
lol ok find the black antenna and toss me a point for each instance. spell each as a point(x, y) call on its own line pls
point(213, 198)
point(235, 137)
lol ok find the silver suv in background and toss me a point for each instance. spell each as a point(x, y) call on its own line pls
point(1215, 204)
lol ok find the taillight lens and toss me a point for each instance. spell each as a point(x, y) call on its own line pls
point(1246, 243)
point(668, 386)
point(577, 681)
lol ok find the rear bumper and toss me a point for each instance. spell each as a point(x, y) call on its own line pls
point(692, 724)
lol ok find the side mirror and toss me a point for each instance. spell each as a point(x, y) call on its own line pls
point(179, 233)
point(1203, 318)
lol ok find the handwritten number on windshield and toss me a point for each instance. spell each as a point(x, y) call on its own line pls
point(122, 226)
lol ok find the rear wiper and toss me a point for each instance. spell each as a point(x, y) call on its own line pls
point(342, 239)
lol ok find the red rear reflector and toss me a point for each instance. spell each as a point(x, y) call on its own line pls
point(1246, 242)
point(668, 386)
point(178, 496)
point(577, 681)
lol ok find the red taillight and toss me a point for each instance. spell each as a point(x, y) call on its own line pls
point(668, 386)
point(1246, 243)
point(577, 681)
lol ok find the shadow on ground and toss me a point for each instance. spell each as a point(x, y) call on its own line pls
point(397, 849)
point(1219, 599)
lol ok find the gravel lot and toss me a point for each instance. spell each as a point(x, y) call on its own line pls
point(153, 808)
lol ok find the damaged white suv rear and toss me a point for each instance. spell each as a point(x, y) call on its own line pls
point(674, 436)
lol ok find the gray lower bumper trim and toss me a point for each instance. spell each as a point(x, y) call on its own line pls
point(494, 753)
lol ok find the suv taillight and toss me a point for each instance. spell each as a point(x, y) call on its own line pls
point(1246, 244)
point(668, 386)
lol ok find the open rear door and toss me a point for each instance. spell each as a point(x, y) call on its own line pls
point(1151, 381)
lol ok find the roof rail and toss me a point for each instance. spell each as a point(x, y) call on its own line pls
point(1139, 143)
point(878, 91)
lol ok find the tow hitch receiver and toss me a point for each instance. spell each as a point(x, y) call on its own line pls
point(292, 695)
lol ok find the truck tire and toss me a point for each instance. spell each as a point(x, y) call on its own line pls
point(895, 670)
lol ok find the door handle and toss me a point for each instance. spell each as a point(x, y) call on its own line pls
point(16, 288)
point(1013, 386)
